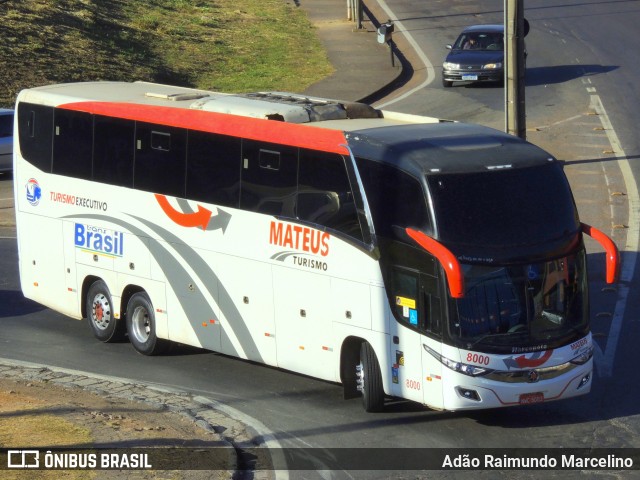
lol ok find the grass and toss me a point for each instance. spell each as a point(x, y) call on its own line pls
point(22, 421)
point(222, 45)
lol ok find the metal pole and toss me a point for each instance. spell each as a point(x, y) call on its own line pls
point(393, 62)
point(349, 10)
point(360, 14)
point(514, 91)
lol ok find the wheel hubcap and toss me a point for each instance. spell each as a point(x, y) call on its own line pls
point(101, 312)
point(141, 325)
point(359, 377)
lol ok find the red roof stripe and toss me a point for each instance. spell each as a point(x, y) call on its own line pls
point(296, 135)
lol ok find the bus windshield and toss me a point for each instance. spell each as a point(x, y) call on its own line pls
point(511, 207)
point(521, 306)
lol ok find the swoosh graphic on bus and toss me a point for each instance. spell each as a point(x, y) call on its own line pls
point(220, 221)
point(536, 360)
point(193, 219)
point(176, 275)
point(216, 289)
point(282, 256)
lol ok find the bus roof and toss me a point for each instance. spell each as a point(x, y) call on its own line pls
point(420, 144)
point(425, 149)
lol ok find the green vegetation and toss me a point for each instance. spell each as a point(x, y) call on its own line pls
point(222, 45)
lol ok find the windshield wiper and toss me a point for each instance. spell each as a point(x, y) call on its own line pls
point(505, 334)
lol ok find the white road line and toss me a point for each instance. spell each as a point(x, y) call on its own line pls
point(399, 28)
point(605, 360)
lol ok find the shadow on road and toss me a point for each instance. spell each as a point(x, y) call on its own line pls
point(536, 76)
point(13, 304)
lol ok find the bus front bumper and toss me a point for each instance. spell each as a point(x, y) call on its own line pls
point(462, 392)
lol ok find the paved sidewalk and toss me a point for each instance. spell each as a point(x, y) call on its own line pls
point(362, 65)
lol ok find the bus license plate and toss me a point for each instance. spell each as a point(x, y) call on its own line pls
point(469, 77)
point(528, 398)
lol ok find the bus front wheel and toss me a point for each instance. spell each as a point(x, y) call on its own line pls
point(141, 326)
point(104, 325)
point(369, 379)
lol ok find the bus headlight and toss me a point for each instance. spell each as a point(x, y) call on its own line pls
point(583, 358)
point(459, 367)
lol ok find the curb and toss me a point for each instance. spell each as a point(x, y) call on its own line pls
point(231, 434)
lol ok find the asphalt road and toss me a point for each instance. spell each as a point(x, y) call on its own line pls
point(568, 55)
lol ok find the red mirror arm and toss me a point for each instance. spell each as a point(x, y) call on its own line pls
point(449, 262)
point(613, 255)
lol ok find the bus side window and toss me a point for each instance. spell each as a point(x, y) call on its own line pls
point(416, 300)
point(160, 159)
point(325, 196)
point(213, 169)
point(431, 305)
point(73, 144)
point(113, 151)
point(35, 130)
point(405, 292)
point(269, 178)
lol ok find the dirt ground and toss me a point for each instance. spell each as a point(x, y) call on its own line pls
point(37, 414)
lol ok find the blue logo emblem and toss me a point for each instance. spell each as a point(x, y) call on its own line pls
point(413, 316)
point(34, 192)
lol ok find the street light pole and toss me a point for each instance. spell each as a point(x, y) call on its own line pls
point(514, 97)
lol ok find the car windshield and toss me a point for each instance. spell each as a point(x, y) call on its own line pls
point(491, 41)
point(6, 125)
point(521, 306)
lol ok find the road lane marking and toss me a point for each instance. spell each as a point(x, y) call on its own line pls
point(605, 360)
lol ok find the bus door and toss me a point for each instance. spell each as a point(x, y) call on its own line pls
point(416, 323)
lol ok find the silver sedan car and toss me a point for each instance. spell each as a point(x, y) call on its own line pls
point(6, 140)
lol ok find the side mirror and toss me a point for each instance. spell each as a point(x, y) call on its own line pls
point(449, 47)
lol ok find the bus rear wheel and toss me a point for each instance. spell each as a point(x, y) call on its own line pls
point(141, 326)
point(369, 379)
point(104, 325)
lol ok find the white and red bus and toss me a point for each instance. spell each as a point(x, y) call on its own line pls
point(400, 255)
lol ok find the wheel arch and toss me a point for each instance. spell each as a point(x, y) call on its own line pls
point(350, 357)
point(128, 292)
point(86, 285)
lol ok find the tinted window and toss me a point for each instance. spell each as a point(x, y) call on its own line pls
point(507, 207)
point(395, 198)
point(72, 143)
point(213, 169)
point(416, 300)
point(160, 159)
point(269, 178)
point(35, 125)
point(405, 296)
point(325, 195)
point(113, 151)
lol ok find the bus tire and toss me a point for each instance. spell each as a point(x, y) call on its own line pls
point(141, 326)
point(104, 325)
point(370, 379)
